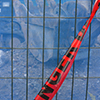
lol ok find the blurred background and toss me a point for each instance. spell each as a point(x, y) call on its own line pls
point(34, 36)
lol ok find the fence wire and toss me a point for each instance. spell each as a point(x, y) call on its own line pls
point(34, 35)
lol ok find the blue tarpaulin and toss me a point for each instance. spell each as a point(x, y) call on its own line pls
point(33, 41)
